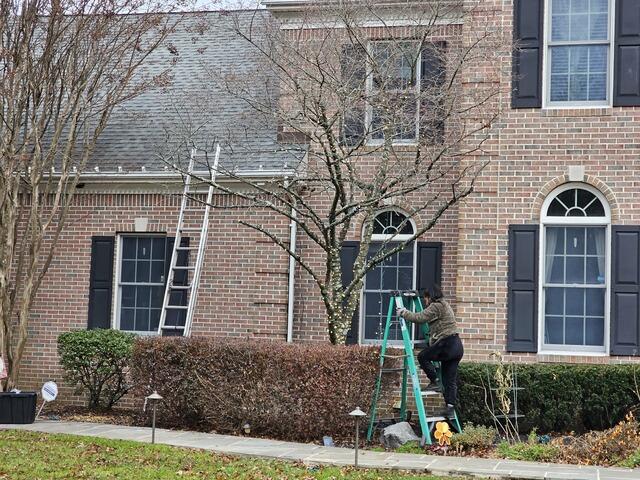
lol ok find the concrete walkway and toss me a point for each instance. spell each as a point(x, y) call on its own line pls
point(315, 454)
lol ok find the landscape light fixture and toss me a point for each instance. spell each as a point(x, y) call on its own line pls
point(153, 399)
point(357, 414)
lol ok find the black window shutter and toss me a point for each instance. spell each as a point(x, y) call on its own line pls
point(433, 75)
point(353, 68)
point(181, 277)
point(625, 290)
point(526, 82)
point(626, 54)
point(101, 282)
point(522, 302)
point(429, 264)
point(348, 256)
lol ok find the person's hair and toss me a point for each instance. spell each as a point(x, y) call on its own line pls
point(433, 292)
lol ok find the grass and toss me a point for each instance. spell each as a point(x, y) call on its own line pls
point(36, 456)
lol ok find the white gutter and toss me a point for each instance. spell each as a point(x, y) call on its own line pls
point(292, 274)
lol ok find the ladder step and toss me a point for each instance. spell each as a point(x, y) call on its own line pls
point(184, 268)
point(173, 327)
point(190, 229)
point(180, 287)
point(177, 307)
point(194, 247)
point(437, 418)
point(392, 370)
point(394, 356)
point(426, 393)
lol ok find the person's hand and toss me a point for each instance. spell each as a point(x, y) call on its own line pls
point(401, 311)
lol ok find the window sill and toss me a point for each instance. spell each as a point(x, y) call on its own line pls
point(551, 356)
point(556, 111)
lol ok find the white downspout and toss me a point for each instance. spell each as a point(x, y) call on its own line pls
point(292, 274)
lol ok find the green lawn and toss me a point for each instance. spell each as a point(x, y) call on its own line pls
point(33, 456)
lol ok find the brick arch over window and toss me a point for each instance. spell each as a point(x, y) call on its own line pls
point(397, 206)
point(551, 185)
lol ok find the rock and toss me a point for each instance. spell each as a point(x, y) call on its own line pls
point(398, 434)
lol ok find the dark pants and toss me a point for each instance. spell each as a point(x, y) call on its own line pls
point(448, 352)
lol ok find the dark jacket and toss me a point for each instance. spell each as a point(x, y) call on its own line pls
point(440, 317)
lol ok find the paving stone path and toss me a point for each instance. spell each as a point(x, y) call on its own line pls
point(318, 455)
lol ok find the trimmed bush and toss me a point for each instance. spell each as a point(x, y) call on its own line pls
point(295, 392)
point(96, 362)
point(555, 398)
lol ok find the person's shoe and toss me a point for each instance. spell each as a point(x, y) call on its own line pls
point(434, 387)
point(450, 412)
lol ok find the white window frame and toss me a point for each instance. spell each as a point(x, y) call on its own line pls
point(547, 221)
point(546, 64)
point(369, 93)
point(381, 238)
point(115, 321)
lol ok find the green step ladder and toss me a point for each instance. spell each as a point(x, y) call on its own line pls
point(408, 368)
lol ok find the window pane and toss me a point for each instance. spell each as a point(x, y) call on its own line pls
point(372, 328)
point(129, 271)
point(554, 330)
point(157, 271)
point(560, 27)
point(560, 6)
point(373, 305)
point(575, 240)
point(579, 73)
point(158, 249)
point(595, 241)
point(142, 320)
point(143, 296)
point(599, 6)
point(554, 301)
point(579, 27)
point(405, 278)
point(129, 247)
point(555, 240)
point(128, 296)
point(144, 248)
point(372, 279)
point(555, 269)
point(157, 296)
point(574, 331)
point(126, 319)
point(395, 114)
point(579, 6)
point(575, 270)
point(556, 209)
point(389, 278)
point(142, 271)
point(595, 302)
point(594, 331)
point(574, 298)
point(595, 270)
point(578, 87)
point(154, 319)
point(598, 28)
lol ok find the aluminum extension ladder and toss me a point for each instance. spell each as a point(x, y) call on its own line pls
point(179, 314)
point(408, 369)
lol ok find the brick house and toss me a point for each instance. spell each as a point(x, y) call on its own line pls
point(542, 263)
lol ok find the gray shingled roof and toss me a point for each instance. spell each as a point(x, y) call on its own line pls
point(194, 108)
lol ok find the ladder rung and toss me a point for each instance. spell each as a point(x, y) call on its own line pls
point(194, 247)
point(177, 307)
point(426, 393)
point(438, 418)
point(173, 327)
point(392, 370)
point(176, 267)
point(190, 229)
point(394, 356)
point(180, 287)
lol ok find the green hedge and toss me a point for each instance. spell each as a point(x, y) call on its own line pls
point(555, 398)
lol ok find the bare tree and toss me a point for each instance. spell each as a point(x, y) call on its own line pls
point(65, 65)
point(377, 102)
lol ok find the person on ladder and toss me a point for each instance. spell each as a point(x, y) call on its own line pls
point(444, 346)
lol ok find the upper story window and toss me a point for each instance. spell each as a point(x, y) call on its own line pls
point(578, 52)
point(394, 89)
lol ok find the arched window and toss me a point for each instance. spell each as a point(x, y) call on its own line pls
point(575, 229)
point(395, 273)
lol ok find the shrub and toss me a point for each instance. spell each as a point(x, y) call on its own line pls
point(555, 398)
point(294, 392)
point(528, 451)
point(473, 438)
point(96, 363)
point(613, 446)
